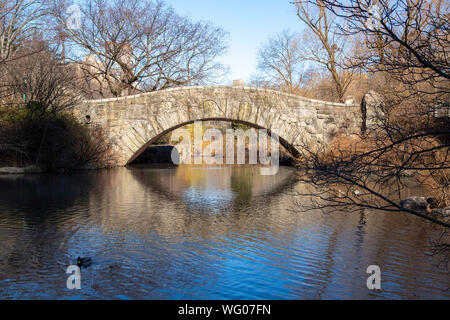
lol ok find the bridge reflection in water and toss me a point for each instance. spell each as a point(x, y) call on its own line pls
point(193, 232)
point(214, 189)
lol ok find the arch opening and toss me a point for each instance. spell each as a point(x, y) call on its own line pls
point(291, 150)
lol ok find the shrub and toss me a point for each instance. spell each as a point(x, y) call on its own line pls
point(50, 141)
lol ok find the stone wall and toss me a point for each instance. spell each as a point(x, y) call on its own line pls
point(131, 123)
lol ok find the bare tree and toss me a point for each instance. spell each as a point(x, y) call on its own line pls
point(140, 45)
point(19, 21)
point(408, 134)
point(40, 81)
point(36, 126)
point(280, 62)
point(322, 45)
point(407, 39)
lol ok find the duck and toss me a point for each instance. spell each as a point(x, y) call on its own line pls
point(84, 262)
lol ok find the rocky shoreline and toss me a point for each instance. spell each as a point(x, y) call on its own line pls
point(33, 169)
point(426, 206)
point(19, 170)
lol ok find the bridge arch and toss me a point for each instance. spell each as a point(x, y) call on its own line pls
point(289, 147)
point(131, 123)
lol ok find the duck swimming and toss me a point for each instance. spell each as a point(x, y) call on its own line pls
point(84, 262)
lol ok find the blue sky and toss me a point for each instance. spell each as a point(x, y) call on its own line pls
point(249, 23)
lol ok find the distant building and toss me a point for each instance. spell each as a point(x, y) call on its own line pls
point(100, 75)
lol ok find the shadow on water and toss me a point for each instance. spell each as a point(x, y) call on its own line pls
point(35, 215)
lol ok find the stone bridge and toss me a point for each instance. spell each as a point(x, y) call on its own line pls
point(134, 122)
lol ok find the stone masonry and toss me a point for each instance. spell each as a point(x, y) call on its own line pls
point(132, 123)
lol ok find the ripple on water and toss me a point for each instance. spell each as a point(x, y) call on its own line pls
point(221, 233)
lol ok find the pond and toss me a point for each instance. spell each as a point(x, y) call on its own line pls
point(193, 232)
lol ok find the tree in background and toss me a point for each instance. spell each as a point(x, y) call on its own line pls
point(36, 90)
point(311, 63)
point(19, 21)
point(35, 125)
point(130, 46)
point(48, 65)
point(281, 64)
point(323, 46)
point(39, 78)
point(407, 39)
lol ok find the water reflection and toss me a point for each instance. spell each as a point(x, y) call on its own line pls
point(193, 232)
point(205, 189)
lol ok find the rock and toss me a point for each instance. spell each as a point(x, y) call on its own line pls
point(332, 131)
point(12, 170)
point(17, 170)
point(446, 211)
point(372, 109)
point(350, 100)
point(372, 98)
point(442, 212)
point(407, 173)
point(310, 129)
point(33, 169)
point(418, 203)
point(441, 110)
point(90, 166)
